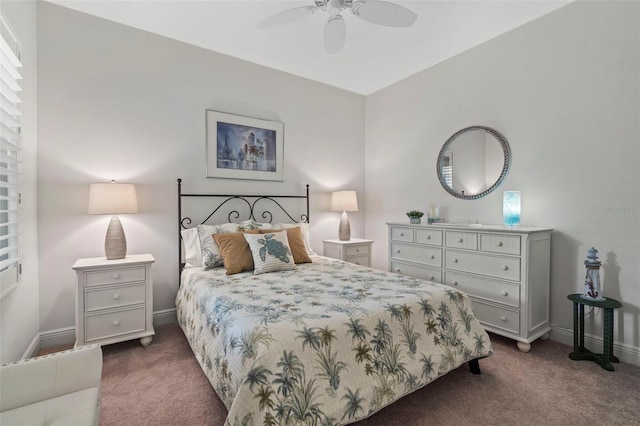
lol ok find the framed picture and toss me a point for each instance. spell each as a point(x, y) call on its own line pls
point(244, 148)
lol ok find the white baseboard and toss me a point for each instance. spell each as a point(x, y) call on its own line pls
point(626, 353)
point(67, 335)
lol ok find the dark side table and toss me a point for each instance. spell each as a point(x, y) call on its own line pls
point(579, 351)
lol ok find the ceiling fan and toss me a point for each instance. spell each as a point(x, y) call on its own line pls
point(335, 31)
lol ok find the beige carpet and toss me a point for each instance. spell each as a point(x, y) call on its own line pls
point(163, 385)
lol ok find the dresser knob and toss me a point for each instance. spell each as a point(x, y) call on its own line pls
point(357, 263)
point(503, 318)
point(428, 237)
point(504, 293)
point(116, 276)
point(459, 240)
point(116, 296)
point(397, 269)
point(505, 268)
point(357, 250)
point(398, 251)
point(455, 283)
point(455, 260)
point(432, 257)
point(116, 323)
point(402, 234)
point(431, 278)
point(499, 243)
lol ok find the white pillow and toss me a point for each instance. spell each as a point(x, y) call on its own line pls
point(192, 249)
point(305, 233)
point(270, 252)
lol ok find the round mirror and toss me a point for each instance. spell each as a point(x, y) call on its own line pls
point(473, 162)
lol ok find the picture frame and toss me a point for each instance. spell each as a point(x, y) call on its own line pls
point(240, 147)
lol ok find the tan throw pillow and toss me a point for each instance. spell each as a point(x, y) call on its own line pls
point(296, 244)
point(235, 251)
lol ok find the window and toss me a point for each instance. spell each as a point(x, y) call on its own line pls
point(10, 167)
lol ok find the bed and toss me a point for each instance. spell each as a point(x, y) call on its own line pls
point(325, 342)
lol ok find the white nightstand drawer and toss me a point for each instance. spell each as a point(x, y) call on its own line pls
point(434, 275)
point(429, 236)
point(111, 297)
point(497, 291)
point(494, 316)
point(402, 234)
point(115, 276)
point(362, 260)
point(101, 326)
point(357, 250)
point(507, 268)
point(427, 255)
point(507, 244)
point(465, 240)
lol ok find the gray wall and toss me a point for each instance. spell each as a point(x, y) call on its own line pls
point(120, 103)
point(564, 91)
point(19, 310)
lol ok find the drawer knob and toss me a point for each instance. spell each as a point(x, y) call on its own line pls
point(428, 237)
point(455, 283)
point(432, 257)
point(499, 243)
point(397, 269)
point(431, 278)
point(503, 318)
point(116, 296)
point(116, 276)
point(398, 251)
point(455, 260)
point(357, 263)
point(357, 250)
point(460, 240)
point(505, 268)
point(504, 293)
point(402, 234)
point(116, 323)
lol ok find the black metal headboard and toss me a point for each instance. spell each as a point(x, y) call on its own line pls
point(247, 201)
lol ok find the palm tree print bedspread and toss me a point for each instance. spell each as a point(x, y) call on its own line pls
point(329, 343)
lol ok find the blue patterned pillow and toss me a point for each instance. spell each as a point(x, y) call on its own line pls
point(270, 252)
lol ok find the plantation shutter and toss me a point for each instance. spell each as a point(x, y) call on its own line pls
point(10, 154)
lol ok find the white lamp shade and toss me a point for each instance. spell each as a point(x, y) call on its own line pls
point(112, 198)
point(344, 201)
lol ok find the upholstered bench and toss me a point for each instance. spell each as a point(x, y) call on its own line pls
point(58, 389)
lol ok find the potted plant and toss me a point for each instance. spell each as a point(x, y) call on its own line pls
point(414, 216)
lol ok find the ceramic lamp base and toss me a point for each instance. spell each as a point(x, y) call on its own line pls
point(344, 230)
point(115, 243)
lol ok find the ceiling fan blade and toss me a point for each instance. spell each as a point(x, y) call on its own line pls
point(383, 13)
point(286, 17)
point(335, 34)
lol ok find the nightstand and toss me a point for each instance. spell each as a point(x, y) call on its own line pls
point(354, 251)
point(114, 300)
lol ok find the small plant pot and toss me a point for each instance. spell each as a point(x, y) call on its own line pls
point(414, 220)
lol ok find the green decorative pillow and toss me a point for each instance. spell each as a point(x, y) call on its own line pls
point(270, 252)
point(211, 256)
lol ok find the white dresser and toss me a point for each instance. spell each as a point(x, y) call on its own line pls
point(114, 300)
point(355, 250)
point(504, 270)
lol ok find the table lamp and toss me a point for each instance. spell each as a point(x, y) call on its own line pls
point(344, 201)
point(113, 198)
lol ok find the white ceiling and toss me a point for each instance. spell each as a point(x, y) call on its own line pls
point(373, 57)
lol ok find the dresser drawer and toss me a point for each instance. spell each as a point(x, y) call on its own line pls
point(101, 298)
point(497, 291)
point(507, 244)
point(357, 250)
point(465, 240)
point(101, 326)
point(429, 236)
point(494, 316)
point(434, 275)
point(427, 255)
point(115, 276)
point(402, 234)
point(507, 268)
point(362, 260)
